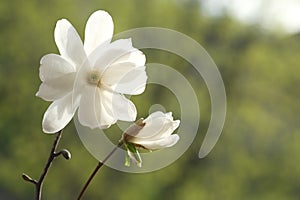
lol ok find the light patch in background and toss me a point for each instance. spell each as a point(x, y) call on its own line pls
point(278, 15)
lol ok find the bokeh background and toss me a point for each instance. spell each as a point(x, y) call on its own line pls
point(257, 156)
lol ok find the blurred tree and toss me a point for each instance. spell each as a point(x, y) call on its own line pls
point(257, 155)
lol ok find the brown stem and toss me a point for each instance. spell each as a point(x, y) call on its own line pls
point(52, 155)
point(39, 184)
point(99, 165)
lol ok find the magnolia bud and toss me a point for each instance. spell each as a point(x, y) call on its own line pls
point(66, 154)
point(134, 129)
point(28, 178)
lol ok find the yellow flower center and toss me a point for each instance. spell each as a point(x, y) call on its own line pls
point(94, 78)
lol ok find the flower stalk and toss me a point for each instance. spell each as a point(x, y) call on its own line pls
point(155, 132)
point(39, 183)
point(99, 165)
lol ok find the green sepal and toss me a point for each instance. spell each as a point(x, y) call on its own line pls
point(127, 160)
point(133, 154)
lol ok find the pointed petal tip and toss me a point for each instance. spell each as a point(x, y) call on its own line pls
point(169, 113)
point(177, 137)
point(176, 123)
point(61, 20)
point(174, 138)
point(38, 94)
point(47, 125)
point(48, 130)
point(202, 154)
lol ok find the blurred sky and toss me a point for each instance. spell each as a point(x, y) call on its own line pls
point(279, 15)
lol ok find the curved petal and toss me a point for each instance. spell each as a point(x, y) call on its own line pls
point(101, 107)
point(154, 115)
point(122, 108)
point(159, 144)
point(106, 54)
point(114, 73)
point(153, 127)
point(169, 115)
point(167, 130)
point(69, 43)
point(133, 83)
point(175, 124)
point(92, 112)
point(99, 29)
point(125, 78)
point(58, 115)
point(134, 56)
point(56, 88)
point(81, 80)
point(157, 126)
point(54, 66)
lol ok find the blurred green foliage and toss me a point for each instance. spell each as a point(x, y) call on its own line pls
point(257, 156)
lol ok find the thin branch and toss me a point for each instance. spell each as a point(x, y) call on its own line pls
point(99, 165)
point(52, 155)
point(39, 184)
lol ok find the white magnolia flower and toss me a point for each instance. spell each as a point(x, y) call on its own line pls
point(106, 66)
point(154, 132)
point(110, 71)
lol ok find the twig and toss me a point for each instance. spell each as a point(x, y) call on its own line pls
point(99, 165)
point(39, 184)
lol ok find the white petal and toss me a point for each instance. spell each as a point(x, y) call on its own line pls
point(167, 130)
point(105, 55)
point(154, 115)
point(169, 115)
point(124, 44)
point(122, 108)
point(58, 115)
point(54, 89)
point(102, 108)
point(159, 144)
point(175, 125)
point(133, 83)
point(114, 73)
point(81, 80)
point(54, 66)
point(158, 126)
point(69, 43)
point(92, 111)
point(125, 78)
point(99, 29)
point(153, 127)
point(134, 56)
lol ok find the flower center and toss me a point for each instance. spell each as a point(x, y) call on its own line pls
point(94, 78)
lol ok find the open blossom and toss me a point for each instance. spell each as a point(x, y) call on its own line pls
point(154, 132)
point(111, 71)
point(110, 68)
